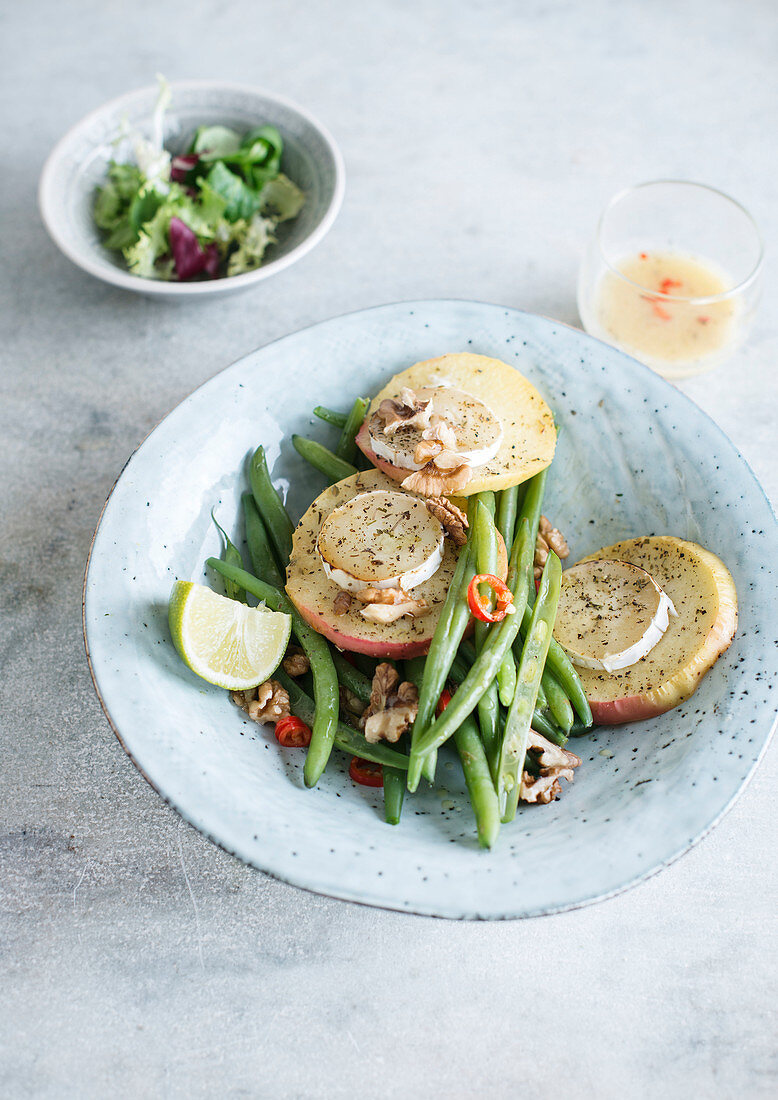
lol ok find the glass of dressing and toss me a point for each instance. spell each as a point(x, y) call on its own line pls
point(672, 276)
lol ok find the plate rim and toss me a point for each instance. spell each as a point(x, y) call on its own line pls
point(344, 894)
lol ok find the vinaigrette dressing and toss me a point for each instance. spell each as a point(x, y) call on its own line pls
point(650, 323)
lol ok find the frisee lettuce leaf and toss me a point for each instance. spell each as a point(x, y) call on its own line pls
point(252, 237)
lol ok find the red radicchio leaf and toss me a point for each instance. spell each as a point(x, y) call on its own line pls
point(181, 166)
point(212, 260)
point(188, 257)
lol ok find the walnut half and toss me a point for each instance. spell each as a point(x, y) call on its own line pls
point(386, 605)
point(295, 662)
point(549, 538)
point(453, 519)
point(266, 703)
point(555, 763)
point(408, 412)
point(430, 481)
point(392, 708)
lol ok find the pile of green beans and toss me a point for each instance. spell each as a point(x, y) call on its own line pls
point(512, 674)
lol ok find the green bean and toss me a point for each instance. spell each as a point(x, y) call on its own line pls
point(394, 795)
point(322, 459)
point(562, 668)
point(263, 561)
point(489, 502)
point(530, 510)
point(346, 739)
point(366, 665)
point(337, 419)
point(558, 703)
point(533, 658)
point(467, 652)
point(233, 557)
point(483, 797)
point(318, 653)
point(489, 659)
point(346, 447)
point(351, 677)
point(579, 729)
point(458, 670)
point(506, 679)
point(271, 509)
point(452, 624)
point(506, 513)
point(544, 725)
point(414, 670)
point(485, 536)
point(542, 700)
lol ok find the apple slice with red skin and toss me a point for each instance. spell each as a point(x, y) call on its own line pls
point(704, 595)
point(529, 435)
point(313, 593)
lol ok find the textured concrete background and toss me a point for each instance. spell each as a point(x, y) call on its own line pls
point(481, 140)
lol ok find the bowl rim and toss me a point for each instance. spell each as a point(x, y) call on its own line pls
point(163, 289)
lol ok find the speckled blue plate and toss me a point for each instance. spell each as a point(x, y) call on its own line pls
point(635, 457)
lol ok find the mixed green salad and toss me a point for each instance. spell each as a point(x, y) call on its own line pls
point(208, 213)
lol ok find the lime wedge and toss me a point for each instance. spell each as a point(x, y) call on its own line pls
point(226, 642)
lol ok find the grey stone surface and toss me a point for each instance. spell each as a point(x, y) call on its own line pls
point(137, 959)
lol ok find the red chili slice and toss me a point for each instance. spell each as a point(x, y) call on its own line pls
point(365, 772)
point(443, 701)
point(667, 285)
point(292, 733)
point(479, 604)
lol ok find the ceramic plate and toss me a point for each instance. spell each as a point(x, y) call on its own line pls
point(635, 456)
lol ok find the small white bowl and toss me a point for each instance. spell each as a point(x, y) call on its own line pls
point(78, 163)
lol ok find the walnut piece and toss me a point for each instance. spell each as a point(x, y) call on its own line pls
point(342, 603)
point(392, 708)
point(551, 755)
point(350, 702)
point(442, 431)
point(408, 412)
point(433, 482)
point(549, 538)
point(426, 450)
point(453, 519)
point(266, 703)
point(386, 605)
point(351, 708)
point(555, 763)
point(540, 788)
point(295, 662)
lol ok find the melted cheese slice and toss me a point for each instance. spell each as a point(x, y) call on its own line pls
point(380, 539)
point(477, 429)
point(611, 614)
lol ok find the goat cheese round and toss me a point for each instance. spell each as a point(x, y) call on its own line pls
point(611, 614)
point(476, 427)
point(380, 539)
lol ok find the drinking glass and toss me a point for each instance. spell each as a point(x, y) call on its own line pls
point(678, 227)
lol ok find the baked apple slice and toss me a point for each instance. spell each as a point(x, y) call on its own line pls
point(502, 428)
point(702, 595)
point(330, 554)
